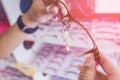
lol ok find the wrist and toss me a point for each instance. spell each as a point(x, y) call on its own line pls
point(25, 28)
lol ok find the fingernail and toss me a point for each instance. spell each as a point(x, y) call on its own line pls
point(89, 62)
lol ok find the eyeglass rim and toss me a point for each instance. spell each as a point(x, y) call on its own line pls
point(71, 18)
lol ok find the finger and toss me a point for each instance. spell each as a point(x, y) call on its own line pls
point(99, 75)
point(109, 67)
point(45, 18)
point(48, 2)
point(88, 71)
point(39, 6)
point(80, 67)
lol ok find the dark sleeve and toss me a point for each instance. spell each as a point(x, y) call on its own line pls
point(25, 5)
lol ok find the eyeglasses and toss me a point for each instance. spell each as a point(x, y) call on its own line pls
point(78, 40)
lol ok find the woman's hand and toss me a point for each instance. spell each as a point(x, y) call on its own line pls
point(39, 13)
point(33, 16)
point(89, 72)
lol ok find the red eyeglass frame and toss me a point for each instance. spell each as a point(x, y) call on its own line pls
point(93, 50)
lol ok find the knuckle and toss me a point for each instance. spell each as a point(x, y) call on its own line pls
point(85, 76)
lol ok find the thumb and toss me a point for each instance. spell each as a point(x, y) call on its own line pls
point(88, 72)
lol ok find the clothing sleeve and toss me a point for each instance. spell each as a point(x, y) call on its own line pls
point(25, 5)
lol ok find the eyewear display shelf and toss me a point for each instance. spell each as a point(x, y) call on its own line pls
point(49, 56)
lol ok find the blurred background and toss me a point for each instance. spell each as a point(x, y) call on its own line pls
point(42, 55)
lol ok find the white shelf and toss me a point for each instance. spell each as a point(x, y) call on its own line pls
point(12, 9)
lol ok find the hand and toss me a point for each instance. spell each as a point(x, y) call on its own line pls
point(38, 13)
point(33, 15)
point(88, 71)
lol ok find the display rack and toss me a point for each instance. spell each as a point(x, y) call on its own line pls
point(47, 53)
